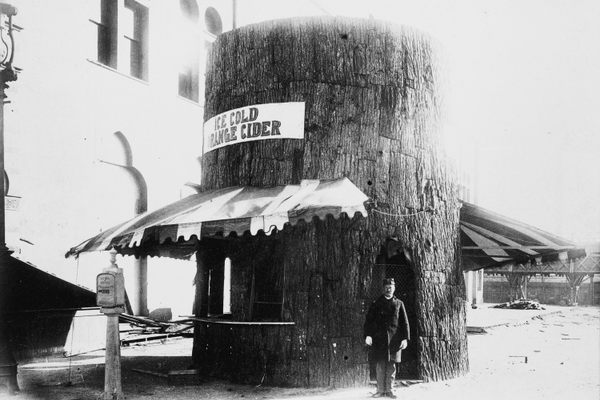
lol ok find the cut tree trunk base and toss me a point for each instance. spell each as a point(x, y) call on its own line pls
point(371, 114)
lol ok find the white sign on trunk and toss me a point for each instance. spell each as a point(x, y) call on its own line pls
point(257, 122)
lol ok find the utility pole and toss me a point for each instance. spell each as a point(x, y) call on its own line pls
point(8, 364)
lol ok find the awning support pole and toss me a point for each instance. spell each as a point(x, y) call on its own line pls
point(201, 298)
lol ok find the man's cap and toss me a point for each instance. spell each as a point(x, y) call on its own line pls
point(389, 281)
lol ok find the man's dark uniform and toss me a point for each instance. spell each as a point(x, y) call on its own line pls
point(387, 324)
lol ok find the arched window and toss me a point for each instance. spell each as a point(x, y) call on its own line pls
point(190, 10)
point(213, 22)
point(213, 26)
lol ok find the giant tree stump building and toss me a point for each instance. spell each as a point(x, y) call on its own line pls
point(371, 115)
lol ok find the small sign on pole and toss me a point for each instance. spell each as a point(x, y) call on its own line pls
point(110, 289)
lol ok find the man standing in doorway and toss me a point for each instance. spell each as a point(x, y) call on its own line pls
point(386, 333)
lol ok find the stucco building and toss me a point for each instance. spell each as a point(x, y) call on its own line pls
point(90, 69)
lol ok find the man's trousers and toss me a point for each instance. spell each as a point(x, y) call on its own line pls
point(386, 372)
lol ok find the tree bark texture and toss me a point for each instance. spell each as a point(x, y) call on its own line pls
point(372, 115)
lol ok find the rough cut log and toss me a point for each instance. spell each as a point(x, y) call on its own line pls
point(372, 115)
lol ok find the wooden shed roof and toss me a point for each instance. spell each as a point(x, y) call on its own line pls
point(490, 240)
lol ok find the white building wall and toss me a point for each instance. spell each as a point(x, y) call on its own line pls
point(63, 112)
point(60, 122)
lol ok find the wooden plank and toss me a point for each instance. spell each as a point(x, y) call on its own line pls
point(243, 323)
point(153, 373)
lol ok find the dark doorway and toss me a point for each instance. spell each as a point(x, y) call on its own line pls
point(394, 261)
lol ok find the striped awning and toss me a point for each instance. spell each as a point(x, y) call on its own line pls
point(233, 209)
point(490, 240)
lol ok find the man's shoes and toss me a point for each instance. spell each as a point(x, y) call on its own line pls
point(379, 394)
point(391, 395)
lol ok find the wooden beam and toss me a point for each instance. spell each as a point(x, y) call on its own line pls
point(242, 323)
point(498, 237)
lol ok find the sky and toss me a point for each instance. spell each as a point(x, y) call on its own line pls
point(522, 106)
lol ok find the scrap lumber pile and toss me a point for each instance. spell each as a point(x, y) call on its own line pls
point(521, 305)
point(136, 329)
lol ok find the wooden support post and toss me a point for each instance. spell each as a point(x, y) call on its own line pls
point(111, 296)
point(112, 367)
point(139, 298)
point(574, 280)
point(201, 306)
point(543, 291)
point(591, 290)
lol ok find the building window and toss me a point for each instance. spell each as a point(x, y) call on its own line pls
point(188, 83)
point(189, 73)
point(212, 21)
point(122, 36)
point(190, 10)
point(136, 37)
point(213, 26)
point(106, 24)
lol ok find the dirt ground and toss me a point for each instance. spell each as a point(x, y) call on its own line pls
point(524, 354)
